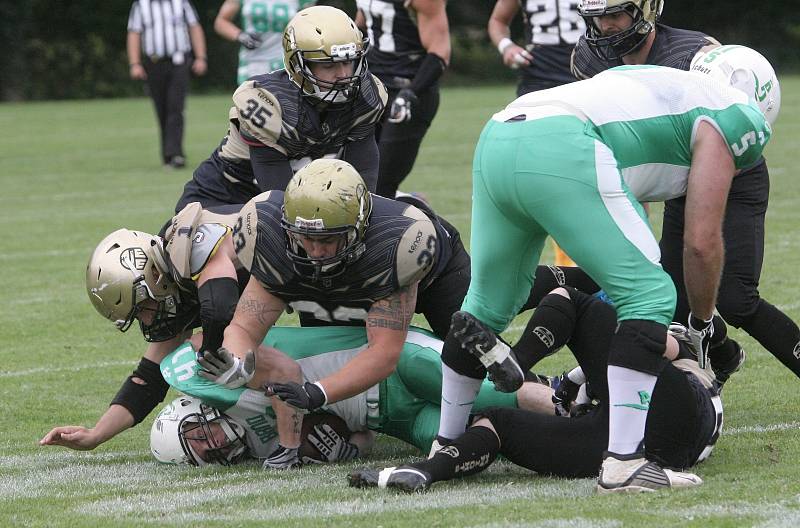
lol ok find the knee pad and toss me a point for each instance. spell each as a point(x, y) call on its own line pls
point(461, 361)
point(639, 345)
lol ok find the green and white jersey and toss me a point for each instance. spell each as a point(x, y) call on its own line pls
point(267, 19)
point(320, 351)
point(648, 117)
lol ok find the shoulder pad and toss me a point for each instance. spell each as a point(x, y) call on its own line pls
point(414, 212)
point(416, 251)
point(258, 114)
point(381, 90)
point(245, 231)
point(179, 237)
point(205, 243)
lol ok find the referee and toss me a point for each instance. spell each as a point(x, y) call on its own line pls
point(165, 40)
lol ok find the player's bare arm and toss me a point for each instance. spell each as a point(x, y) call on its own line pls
point(387, 327)
point(434, 30)
point(499, 28)
point(709, 182)
point(255, 314)
point(223, 23)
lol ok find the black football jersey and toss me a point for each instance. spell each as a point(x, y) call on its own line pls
point(672, 47)
point(402, 247)
point(271, 111)
point(552, 28)
point(395, 51)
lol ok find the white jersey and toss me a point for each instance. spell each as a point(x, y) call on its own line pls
point(648, 117)
point(267, 19)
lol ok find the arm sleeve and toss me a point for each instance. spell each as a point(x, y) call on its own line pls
point(271, 168)
point(363, 154)
point(218, 298)
point(140, 399)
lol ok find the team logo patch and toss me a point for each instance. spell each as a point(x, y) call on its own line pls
point(133, 259)
point(344, 51)
point(558, 273)
point(796, 351)
point(545, 336)
point(592, 6)
point(451, 451)
point(198, 237)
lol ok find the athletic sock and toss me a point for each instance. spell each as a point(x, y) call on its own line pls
point(470, 453)
point(548, 329)
point(458, 395)
point(629, 393)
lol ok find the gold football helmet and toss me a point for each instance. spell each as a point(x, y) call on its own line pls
point(644, 15)
point(325, 198)
point(128, 269)
point(320, 34)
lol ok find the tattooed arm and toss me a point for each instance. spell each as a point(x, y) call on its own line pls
point(387, 327)
point(255, 314)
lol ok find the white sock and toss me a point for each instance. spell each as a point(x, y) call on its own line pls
point(458, 395)
point(629, 393)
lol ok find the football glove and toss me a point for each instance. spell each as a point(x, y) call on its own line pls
point(306, 397)
point(564, 394)
point(224, 368)
point(331, 446)
point(700, 334)
point(249, 40)
point(402, 106)
point(283, 458)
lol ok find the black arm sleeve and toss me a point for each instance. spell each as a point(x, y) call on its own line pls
point(271, 168)
point(365, 157)
point(430, 69)
point(141, 399)
point(218, 298)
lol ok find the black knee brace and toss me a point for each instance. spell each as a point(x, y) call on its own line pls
point(639, 345)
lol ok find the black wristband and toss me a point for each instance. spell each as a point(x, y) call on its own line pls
point(431, 68)
point(140, 399)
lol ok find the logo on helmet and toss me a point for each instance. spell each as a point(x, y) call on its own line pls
point(591, 6)
point(133, 259)
point(316, 223)
point(344, 51)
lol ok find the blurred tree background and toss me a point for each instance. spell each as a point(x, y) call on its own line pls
point(53, 49)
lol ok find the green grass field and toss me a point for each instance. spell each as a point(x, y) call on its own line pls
point(72, 172)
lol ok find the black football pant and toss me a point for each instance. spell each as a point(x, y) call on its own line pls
point(399, 143)
point(168, 85)
point(211, 187)
point(680, 423)
point(738, 301)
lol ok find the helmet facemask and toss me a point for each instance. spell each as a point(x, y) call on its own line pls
point(198, 427)
point(614, 47)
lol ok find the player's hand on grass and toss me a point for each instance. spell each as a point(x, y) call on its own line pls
point(72, 436)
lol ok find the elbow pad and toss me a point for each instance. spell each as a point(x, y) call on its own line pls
point(218, 299)
point(141, 399)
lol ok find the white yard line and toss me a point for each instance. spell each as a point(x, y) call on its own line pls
point(73, 368)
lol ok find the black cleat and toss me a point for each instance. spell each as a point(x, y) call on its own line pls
point(498, 358)
point(723, 372)
point(404, 478)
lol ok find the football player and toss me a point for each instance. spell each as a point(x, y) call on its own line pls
point(599, 147)
point(213, 424)
point(324, 103)
point(189, 278)
point(629, 32)
point(410, 49)
point(337, 255)
point(683, 424)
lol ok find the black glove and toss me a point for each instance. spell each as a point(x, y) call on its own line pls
point(564, 394)
point(331, 446)
point(308, 397)
point(700, 334)
point(249, 40)
point(401, 106)
point(283, 458)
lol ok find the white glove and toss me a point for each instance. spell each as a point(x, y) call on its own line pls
point(224, 368)
point(700, 333)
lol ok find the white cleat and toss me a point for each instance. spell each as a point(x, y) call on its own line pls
point(635, 474)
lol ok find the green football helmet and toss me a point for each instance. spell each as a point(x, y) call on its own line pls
point(127, 269)
point(326, 198)
point(320, 34)
point(644, 13)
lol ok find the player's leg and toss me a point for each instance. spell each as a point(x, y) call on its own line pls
point(173, 125)
point(399, 142)
point(158, 85)
point(738, 300)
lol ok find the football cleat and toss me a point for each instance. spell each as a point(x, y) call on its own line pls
point(498, 358)
point(635, 474)
point(724, 372)
point(404, 478)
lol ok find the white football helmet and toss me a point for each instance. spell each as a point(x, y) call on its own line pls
point(185, 423)
point(744, 69)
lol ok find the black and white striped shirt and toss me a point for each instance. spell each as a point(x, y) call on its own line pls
point(164, 25)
